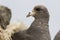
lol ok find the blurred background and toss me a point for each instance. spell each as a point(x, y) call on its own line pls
point(20, 9)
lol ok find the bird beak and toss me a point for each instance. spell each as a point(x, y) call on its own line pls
point(30, 14)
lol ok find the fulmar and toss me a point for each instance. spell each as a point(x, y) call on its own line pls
point(39, 29)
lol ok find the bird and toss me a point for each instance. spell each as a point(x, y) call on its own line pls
point(57, 36)
point(39, 29)
point(5, 16)
point(7, 28)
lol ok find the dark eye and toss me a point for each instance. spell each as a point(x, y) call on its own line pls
point(37, 9)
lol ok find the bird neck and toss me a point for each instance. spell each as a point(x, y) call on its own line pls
point(42, 20)
point(39, 23)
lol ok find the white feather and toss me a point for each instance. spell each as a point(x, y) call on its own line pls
point(11, 29)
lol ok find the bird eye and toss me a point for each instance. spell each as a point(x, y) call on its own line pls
point(37, 9)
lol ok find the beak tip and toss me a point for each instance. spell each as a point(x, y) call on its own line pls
point(28, 15)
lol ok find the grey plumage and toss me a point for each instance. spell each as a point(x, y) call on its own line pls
point(5, 16)
point(39, 29)
point(57, 37)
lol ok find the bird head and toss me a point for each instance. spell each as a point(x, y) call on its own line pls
point(5, 16)
point(39, 11)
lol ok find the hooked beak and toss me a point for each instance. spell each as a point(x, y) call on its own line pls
point(30, 14)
